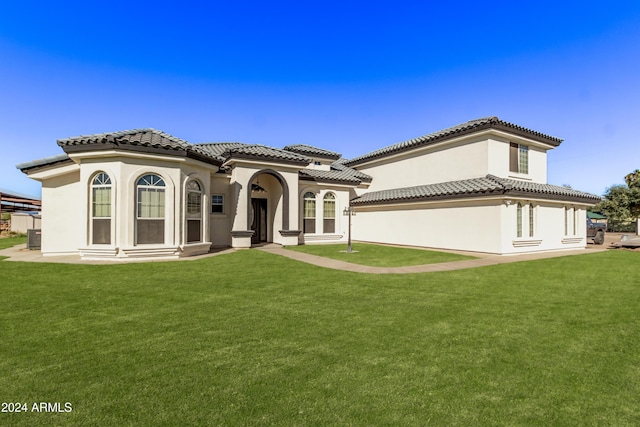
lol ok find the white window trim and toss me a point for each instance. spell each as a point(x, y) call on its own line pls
point(194, 217)
point(138, 218)
point(112, 187)
point(518, 173)
point(222, 212)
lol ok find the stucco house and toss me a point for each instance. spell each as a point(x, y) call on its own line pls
point(478, 186)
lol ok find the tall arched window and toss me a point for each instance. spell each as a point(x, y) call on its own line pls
point(194, 212)
point(309, 213)
point(101, 209)
point(519, 220)
point(329, 211)
point(150, 209)
point(531, 220)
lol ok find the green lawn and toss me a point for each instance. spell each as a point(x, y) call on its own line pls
point(7, 242)
point(379, 255)
point(251, 338)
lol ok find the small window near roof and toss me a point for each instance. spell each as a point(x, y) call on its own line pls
point(518, 158)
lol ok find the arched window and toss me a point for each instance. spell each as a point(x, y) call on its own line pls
point(194, 212)
point(531, 220)
point(150, 205)
point(101, 209)
point(329, 210)
point(309, 213)
point(519, 220)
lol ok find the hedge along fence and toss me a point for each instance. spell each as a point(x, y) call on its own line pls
point(622, 226)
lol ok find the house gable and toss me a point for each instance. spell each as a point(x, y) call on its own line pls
point(467, 128)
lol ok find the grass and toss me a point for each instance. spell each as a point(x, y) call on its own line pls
point(379, 255)
point(251, 338)
point(12, 240)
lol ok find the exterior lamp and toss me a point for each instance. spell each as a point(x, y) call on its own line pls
point(349, 211)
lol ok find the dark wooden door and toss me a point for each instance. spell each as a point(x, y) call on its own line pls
point(259, 220)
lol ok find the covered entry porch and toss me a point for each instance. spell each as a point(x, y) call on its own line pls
point(266, 207)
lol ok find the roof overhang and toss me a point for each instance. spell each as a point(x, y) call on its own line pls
point(111, 147)
point(52, 171)
point(457, 134)
point(261, 163)
point(498, 195)
point(505, 198)
point(350, 183)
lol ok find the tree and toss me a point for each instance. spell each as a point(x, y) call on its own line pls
point(633, 179)
point(634, 201)
point(615, 204)
point(621, 203)
point(633, 182)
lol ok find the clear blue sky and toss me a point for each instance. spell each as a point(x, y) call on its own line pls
point(347, 76)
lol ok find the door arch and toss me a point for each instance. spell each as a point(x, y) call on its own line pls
point(285, 197)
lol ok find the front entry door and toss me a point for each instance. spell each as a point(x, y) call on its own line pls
point(259, 220)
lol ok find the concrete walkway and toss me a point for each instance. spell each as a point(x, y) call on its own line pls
point(20, 253)
point(481, 260)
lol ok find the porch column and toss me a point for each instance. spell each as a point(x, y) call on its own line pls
point(241, 187)
point(290, 235)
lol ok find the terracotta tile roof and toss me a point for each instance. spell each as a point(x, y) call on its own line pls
point(340, 166)
point(485, 186)
point(217, 149)
point(339, 173)
point(513, 186)
point(452, 132)
point(332, 175)
point(262, 152)
point(146, 138)
point(309, 150)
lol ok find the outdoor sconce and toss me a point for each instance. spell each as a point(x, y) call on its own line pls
point(349, 211)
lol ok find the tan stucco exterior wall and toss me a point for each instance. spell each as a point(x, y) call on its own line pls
point(465, 158)
point(220, 223)
point(462, 160)
point(63, 226)
point(479, 226)
point(469, 226)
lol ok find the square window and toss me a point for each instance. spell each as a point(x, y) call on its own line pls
point(217, 203)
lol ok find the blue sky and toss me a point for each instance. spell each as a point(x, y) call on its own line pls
point(347, 76)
